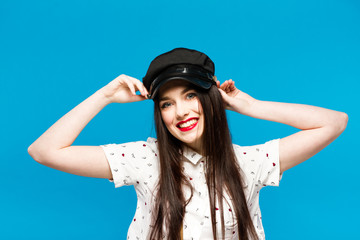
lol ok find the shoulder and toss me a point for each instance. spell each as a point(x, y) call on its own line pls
point(256, 148)
point(132, 162)
point(134, 152)
point(138, 146)
point(260, 163)
point(256, 153)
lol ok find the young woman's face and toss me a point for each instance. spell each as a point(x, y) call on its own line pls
point(182, 114)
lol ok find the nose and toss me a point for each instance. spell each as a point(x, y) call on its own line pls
point(181, 111)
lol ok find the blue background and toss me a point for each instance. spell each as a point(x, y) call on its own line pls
point(54, 54)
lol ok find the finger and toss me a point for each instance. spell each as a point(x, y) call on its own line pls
point(223, 94)
point(132, 78)
point(130, 85)
point(137, 98)
point(146, 91)
point(233, 86)
point(223, 85)
point(139, 86)
point(218, 84)
point(227, 89)
point(121, 79)
point(226, 99)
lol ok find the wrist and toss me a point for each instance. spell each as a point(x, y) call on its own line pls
point(243, 106)
point(102, 98)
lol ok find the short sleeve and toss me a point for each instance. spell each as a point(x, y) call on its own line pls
point(261, 162)
point(129, 161)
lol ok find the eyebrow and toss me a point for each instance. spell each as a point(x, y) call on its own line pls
point(182, 92)
point(186, 90)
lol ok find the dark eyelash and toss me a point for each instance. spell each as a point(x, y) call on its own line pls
point(192, 94)
point(164, 105)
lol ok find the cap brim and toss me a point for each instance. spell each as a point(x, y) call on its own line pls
point(196, 81)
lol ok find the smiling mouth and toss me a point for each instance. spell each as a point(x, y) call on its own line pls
point(188, 124)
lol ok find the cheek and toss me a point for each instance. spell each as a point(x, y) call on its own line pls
point(167, 118)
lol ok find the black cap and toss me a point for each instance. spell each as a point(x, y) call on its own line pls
point(180, 63)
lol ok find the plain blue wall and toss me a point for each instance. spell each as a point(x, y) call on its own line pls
point(54, 54)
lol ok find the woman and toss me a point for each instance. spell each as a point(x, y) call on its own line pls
point(191, 182)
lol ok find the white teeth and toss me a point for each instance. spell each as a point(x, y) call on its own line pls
point(188, 123)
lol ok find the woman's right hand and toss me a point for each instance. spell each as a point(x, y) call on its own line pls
point(123, 90)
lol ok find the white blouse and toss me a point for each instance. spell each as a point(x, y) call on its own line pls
point(137, 163)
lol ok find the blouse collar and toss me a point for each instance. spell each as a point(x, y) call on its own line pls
point(191, 155)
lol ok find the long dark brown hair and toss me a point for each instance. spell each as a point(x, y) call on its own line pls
point(222, 173)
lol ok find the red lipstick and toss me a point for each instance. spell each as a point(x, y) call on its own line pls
point(187, 128)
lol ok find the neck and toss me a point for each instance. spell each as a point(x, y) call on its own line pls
point(197, 147)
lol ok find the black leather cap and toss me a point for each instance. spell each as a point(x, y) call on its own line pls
point(180, 63)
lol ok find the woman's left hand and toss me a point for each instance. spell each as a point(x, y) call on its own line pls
point(235, 99)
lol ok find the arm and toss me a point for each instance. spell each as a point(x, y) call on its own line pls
point(53, 148)
point(319, 126)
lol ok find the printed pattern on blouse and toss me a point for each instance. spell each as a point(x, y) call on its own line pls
point(137, 163)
